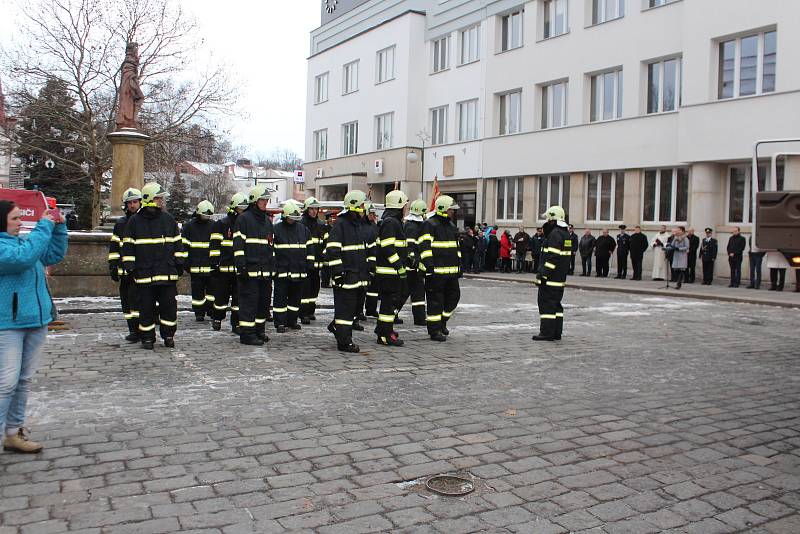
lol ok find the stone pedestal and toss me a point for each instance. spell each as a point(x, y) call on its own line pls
point(127, 164)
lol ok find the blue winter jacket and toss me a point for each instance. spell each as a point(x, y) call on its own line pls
point(24, 298)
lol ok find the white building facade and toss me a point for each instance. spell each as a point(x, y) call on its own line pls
point(623, 111)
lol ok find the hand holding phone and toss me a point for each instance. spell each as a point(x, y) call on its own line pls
point(55, 215)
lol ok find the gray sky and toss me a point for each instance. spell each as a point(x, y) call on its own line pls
point(265, 45)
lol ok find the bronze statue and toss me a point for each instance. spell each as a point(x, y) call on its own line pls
point(131, 96)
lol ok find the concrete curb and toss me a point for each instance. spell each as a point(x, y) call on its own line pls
point(647, 291)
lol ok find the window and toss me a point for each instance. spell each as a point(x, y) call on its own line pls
point(509, 199)
point(553, 190)
point(606, 96)
point(604, 196)
point(666, 195)
point(510, 112)
point(350, 78)
point(321, 88)
point(321, 144)
point(468, 120)
point(555, 18)
point(441, 54)
point(469, 44)
point(383, 131)
point(605, 10)
point(384, 65)
point(511, 36)
point(664, 85)
point(439, 125)
point(657, 3)
point(747, 65)
point(349, 138)
point(554, 105)
point(740, 191)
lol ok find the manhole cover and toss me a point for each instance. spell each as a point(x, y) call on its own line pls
point(450, 485)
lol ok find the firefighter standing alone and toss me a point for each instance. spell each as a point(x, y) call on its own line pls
point(552, 275)
point(131, 202)
point(197, 244)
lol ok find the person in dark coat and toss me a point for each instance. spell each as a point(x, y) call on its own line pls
point(623, 246)
point(573, 238)
point(603, 249)
point(708, 255)
point(756, 259)
point(492, 251)
point(536, 244)
point(694, 245)
point(638, 246)
point(480, 253)
point(521, 240)
point(468, 245)
point(586, 248)
point(736, 245)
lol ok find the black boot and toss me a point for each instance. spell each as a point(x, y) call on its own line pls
point(445, 331)
point(358, 326)
point(332, 328)
point(312, 317)
point(398, 320)
point(351, 347)
point(262, 335)
point(280, 329)
point(199, 317)
point(216, 325)
point(543, 338)
point(148, 344)
point(391, 341)
point(295, 326)
point(250, 338)
point(132, 337)
point(438, 336)
point(169, 342)
point(305, 320)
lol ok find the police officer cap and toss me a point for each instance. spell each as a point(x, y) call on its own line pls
point(709, 230)
point(622, 227)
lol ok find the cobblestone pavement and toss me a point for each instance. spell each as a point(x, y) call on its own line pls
point(652, 415)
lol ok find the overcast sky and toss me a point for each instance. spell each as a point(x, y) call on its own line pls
point(265, 45)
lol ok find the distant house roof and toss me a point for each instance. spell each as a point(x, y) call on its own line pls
point(206, 168)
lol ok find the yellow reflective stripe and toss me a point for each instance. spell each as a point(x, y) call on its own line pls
point(394, 258)
point(314, 241)
point(433, 318)
point(115, 238)
point(127, 240)
point(559, 314)
point(426, 254)
point(343, 322)
point(214, 253)
point(211, 298)
point(293, 308)
point(385, 270)
point(547, 316)
point(386, 318)
point(400, 243)
point(333, 244)
point(446, 270)
point(216, 236)
point(353, 286)
point(311, 258)
point(555, 284)
point(227, 269)
point(334, 263)
point(154, 240)
point(239, 234)
point(257, 241)
point(549, 265)
point(198, 302)
point(128, 258)
point(179, 254)
point(238, 253)
point(279, 310)
point(447, 315)
point(289, 245)
point(348, 248)
point(157, 278)
point(424, 237)
point(418, 303)
point(199, 244)
point(444, 244)
point(195, 270)
point(218, 307)
point(411, 240)
point(227, 243)
point(113, 256)
point(144, 328)
point(247, 324)
point(388, 241)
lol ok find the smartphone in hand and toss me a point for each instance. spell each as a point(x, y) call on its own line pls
point(56, 214)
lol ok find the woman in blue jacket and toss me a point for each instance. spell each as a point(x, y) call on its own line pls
point(25, 311)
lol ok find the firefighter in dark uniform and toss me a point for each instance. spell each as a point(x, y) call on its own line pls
point(293, 254)
point(368, 299)
point(415, 281)
point(552, 275)
point(223, 275)
point(252, 257)
point(390, 269)
point(197, 243)
point(346, 255)
point(440, 260)
point(623, 247)
point(152, 251)
point(131, 202)
point(319, 234)
point(324, 272)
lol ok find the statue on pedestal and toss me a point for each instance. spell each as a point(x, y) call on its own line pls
point(131, 96)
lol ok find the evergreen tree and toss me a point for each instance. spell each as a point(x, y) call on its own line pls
point(178, 200)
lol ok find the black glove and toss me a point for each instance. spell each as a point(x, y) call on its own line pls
point(337, 279)
point(114, 274)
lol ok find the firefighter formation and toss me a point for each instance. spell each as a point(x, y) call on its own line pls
point(235, 261)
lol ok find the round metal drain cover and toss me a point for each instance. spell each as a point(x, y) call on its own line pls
point(450, 485)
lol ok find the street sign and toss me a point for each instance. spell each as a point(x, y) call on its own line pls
point(299, 178)
point(32, 204)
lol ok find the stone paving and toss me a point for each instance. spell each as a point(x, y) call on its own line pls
point(653, 414)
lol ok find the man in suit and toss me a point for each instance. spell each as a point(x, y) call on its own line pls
point(736, 246)
point(603, 249)
point(694, 245)
point(708, 255)
point(638, 245)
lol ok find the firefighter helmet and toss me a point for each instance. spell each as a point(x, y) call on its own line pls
point(131, 194)
point(205, 208)
point(291, 210)
point(311, 202)
point(444, 203)
point(354, 200)
point(152, 191)
point(418, 207)
point(554, 213)
point(258, 192)
point(239, 200)
point(396, 199)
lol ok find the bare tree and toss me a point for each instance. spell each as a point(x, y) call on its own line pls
point(283, 159)
point(82, 43)
point(217, 189)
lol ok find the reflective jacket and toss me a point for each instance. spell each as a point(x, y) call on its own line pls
point(152, 247)
point(412, 229)
point(346, 252)
point(556, 253)
point(391, 251)
point(294, 251)
point(221, 253)
point(370, 233)
point(319, 235)
point(115, 245)
point(439, 252)
point(197, 244)
point(252, 243)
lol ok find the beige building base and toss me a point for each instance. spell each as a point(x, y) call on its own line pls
point(127, 164)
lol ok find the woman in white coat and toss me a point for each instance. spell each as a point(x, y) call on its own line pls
point(777, 265)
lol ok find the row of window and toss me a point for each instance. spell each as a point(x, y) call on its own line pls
point(665, 195)
point(384, 72)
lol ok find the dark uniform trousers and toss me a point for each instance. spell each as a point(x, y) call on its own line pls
point(636, 261)
point(130, 308)
point(622, 263)
point(586, 263)
point(602, 265)
point(253, 303)
point(571, 264)
point(223, 288)
point(201, 293)
point(442, 294)
point(167, 314)
point(370, 296)
point(345, 308)
point(286, 306)
point(308, 301)
point(389, 299)
point(551, 313)
point(708, 271)
point(690, 270)
point(415, 288)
